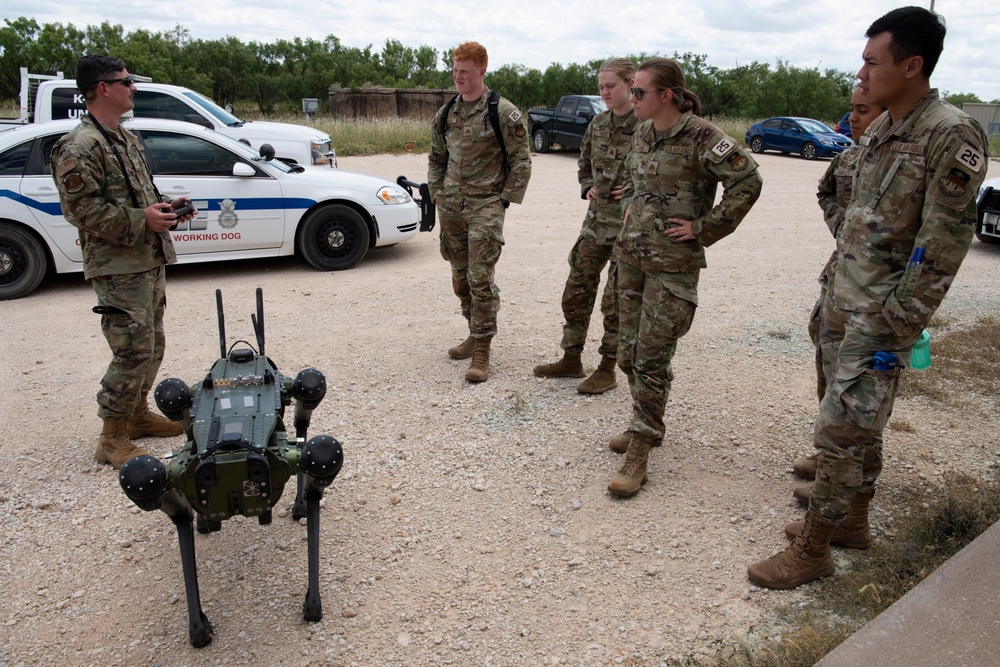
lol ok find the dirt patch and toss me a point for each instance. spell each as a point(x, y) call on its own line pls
point(471, 523)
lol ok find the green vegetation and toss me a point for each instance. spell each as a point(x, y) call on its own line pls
point(276, 76)
point(371, 137)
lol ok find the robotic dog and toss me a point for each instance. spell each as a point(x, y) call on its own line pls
point(237, 457)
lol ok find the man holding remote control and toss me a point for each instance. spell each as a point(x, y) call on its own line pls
point(106, 190)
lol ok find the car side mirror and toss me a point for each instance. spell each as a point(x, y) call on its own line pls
point(243, 170)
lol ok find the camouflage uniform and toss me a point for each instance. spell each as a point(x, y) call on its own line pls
point(825, 328)
point(466, 178)
point(123, 260)
point(675, 176)
point(915, 186)
point(602, 166)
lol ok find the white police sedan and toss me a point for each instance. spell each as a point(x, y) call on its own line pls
point(248, 206)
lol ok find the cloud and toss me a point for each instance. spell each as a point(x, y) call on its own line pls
point(535, 33)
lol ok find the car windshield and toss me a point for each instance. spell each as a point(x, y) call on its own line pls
point(810, 125)
point(213, 108)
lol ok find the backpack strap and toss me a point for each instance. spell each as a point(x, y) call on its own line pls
point(493, 110)
point(444, 117)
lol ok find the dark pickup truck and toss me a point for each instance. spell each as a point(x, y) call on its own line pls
point(565, 124)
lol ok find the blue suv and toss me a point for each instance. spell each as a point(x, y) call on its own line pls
point(807, 137)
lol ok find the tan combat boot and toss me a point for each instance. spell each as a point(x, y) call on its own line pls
point(632, 475)
point(602, 379)
point(114, 446)
point(463, 350)
point(479, 369)
point(807, 559)
point(851, 532)
point(805, 467)
point(145, 422)
point(802, 493)
point(567, 367)
point(619, 443)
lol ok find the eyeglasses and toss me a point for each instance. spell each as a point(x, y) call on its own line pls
point(126, 81)
point(638, 93)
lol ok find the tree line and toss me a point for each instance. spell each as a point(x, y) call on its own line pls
point(276, 76)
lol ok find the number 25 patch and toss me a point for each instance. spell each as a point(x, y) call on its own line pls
point(970, 157)
point(724, 146)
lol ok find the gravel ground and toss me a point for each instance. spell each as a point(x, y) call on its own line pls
point(471, 523)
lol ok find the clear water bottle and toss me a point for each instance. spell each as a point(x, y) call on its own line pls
point(920, 355)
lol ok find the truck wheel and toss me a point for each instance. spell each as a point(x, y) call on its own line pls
point(541, 141)
point(333, 238)
point(23, 262)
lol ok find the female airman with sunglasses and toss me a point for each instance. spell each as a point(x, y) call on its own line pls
point(677, 162)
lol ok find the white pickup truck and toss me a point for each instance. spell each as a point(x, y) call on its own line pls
point(45, 98)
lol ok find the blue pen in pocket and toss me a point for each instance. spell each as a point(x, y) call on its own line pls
point(908, 283)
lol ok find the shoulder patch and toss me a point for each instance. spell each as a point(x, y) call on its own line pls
point(72, 182)
point(724, 145)
point(514, 116)
point(970, 157)
point(954, 182)
point(737, 161)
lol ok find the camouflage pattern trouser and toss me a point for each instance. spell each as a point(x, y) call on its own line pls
point(471, 241)
point(855, 409)
point(827, 333)
point(651, 321)
point(586, 261)
point(134, 331)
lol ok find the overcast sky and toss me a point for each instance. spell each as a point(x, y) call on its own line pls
point(536, 33)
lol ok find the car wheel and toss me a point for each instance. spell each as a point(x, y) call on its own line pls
point(808, 151)
point(757, 145)
point(23, 262)
point(333, 238)
point(541, 141)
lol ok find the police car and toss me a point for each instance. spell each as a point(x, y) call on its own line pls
point(249, 206)
point(988, 212)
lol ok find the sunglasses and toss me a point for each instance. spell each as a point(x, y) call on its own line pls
point(638, 93)
point(125, 81)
